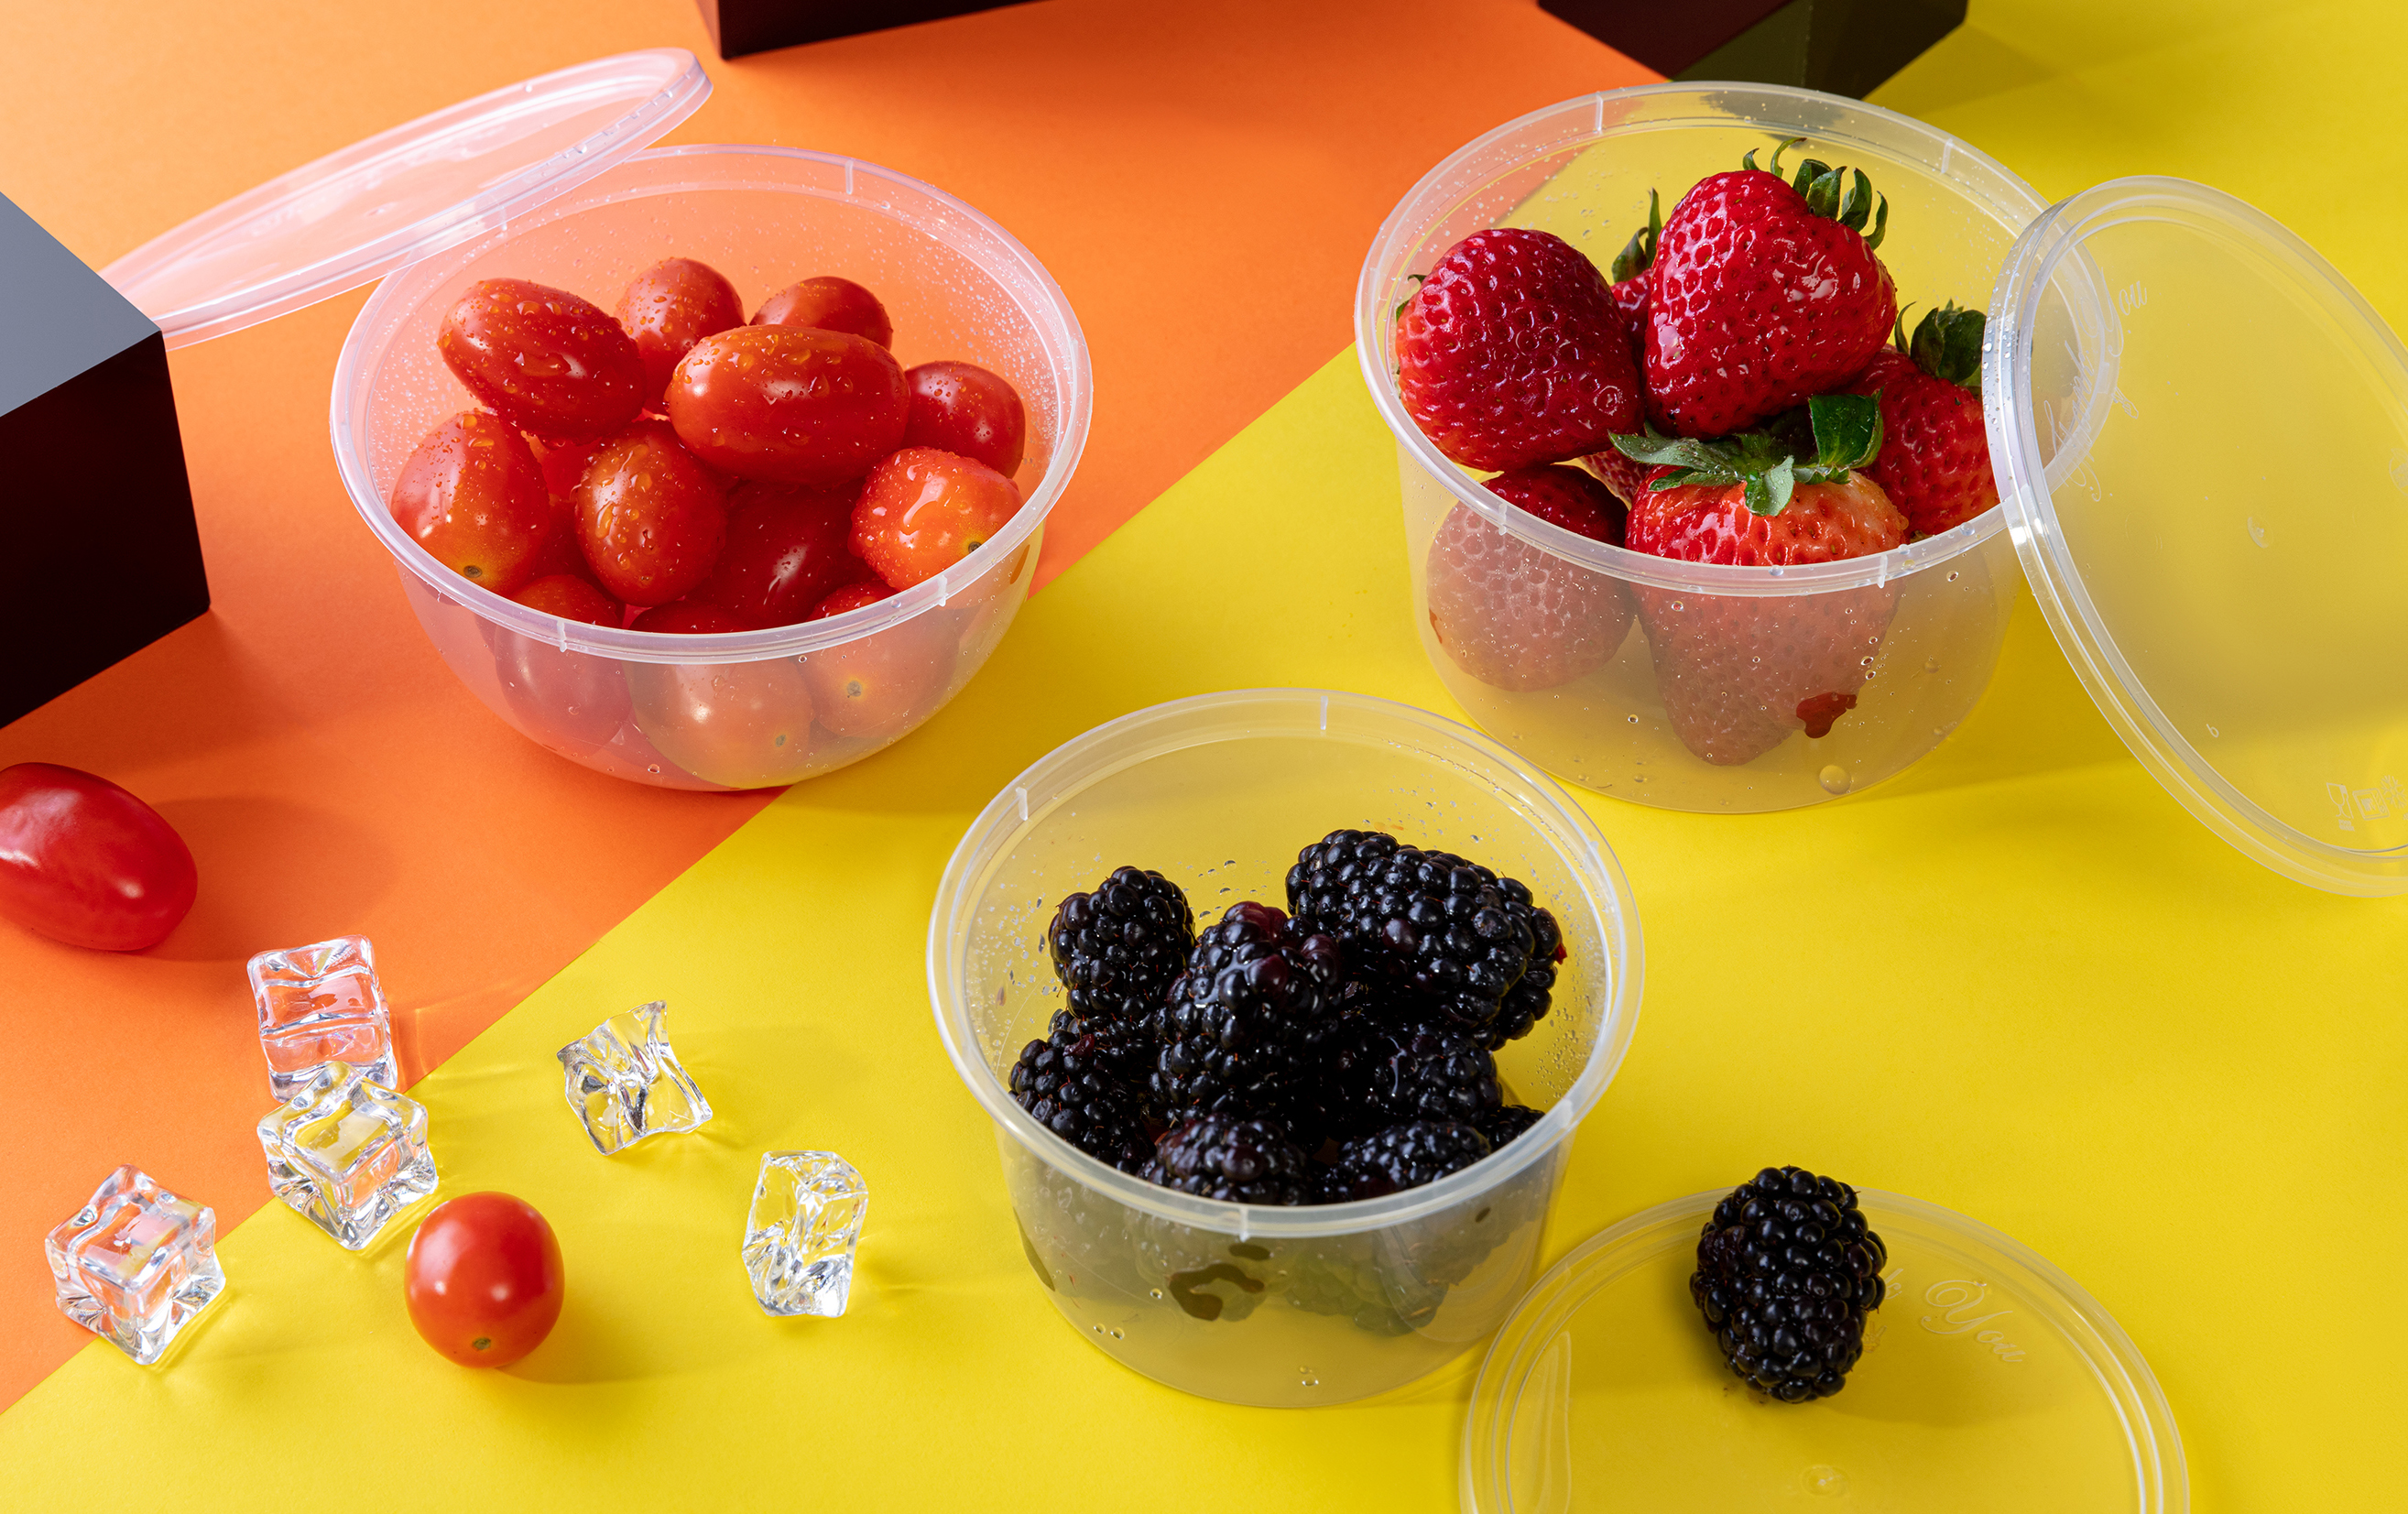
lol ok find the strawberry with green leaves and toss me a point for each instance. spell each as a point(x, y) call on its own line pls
point(1935, 464)
point(1739, 674)
point(1763, 293)
point(1514, 616)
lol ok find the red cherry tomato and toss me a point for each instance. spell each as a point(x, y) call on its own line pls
point(962, 407)
point(789, 404)
point(829, 304)
point(564, 464)
point(882, 684)
point(483, 1281)
point(572, 599)
point(543, 359)
point(650, 516)
point(747, 725)
point(688, 618)
point(571, 702)
point(473, 496)
point(923, 511)
point(668, 308)
point(84, 861)
point(852, 596)
point(788, 545)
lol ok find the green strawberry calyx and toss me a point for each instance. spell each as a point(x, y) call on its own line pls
point(1639, 253)
point(1948, 344)
point(1842, 194)
point(1769, 465)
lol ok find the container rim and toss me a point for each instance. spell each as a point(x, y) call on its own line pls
point(1423, 205)
point(1076, 763)
point(399, 295)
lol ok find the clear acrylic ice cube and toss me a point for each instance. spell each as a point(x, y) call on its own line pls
point(136, 1263)
point(348, 1153)
point(625, 1082)
point(318, 1005)
point(798, 1239)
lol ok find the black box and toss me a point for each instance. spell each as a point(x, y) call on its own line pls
point(1840, 46)
point(98, 553)
point(741, 26)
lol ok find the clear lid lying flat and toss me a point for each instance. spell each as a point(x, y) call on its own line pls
point(356, 215)
point(2201, 434)
point(1989, 1381)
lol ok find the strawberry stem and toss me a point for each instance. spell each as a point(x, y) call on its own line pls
point(1847, 434)
point(1639, 253)
point(1842, 194)
point(1948, 344)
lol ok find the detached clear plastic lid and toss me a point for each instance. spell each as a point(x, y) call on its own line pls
point(1989, 1381)
point(2201, 434)
point(354, 216)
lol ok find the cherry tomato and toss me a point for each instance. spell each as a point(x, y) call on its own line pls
point(829, 304)
point(484, 1280)
point(572, 599)
point(788, 545)
point(571, 702)
point(882, 684)
point(689, 617)
point(852, 596)
point(564, 464)
point(84, 861)
point(473, 496)
point(650, 516)
point(962, 407)
point(789, 404)
point(543, 359)
point(747, 725)
point(923, 511)
point(668, 308)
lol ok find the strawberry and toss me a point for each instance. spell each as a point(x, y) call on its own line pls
point(1737, 674)
point(1629, 271)
point(1763, 293)
point(1935, 461)
point(1512, 353)
point(1517, 617)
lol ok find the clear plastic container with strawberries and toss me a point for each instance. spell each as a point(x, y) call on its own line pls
point(1685, 386)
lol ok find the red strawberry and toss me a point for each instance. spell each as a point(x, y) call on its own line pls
point(1517, 617)
point(1629, 274)
point(1739, 674)
point(1763, 293)
point(1935, 458)
point(1512, 353)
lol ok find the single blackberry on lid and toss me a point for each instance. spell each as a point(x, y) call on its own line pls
point(1118, 948)
point(1399, 1157)
point(1787, 1272)
point(1064, 1085)
point(1225, 1157)
point(1429, 920)
point(1236, 1029)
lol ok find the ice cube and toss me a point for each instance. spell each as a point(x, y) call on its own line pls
point(348, 1153)
point(799, 1240)
point(136, 1263)
point(318, 1005)
point(625, 1082)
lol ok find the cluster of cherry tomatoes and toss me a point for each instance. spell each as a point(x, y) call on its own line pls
point(677, 469)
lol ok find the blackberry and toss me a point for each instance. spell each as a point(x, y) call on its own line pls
point(1122, 1049)
point(1401, 1157)
point(1447, 928)
point(1064, 1085)
point(1527, 1002)
point(1225, 1157)
point(1504, 1122)
point(1236, 1030)
point(1118, 949)
point(1787, 1272)
point(1433, 1070)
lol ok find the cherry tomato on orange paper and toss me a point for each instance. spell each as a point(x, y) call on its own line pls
point(882, 684)
point(474, 497)
point(650, 516)
point(789, 404)
point(483, 1281)
point(852, 596)
point(668, 308)
point(84, 861)
point(962, 407)
point(923, 511)
point(829, 304)
point(572, 599)
point(788, 545)
point(689, 617)
point(543, 359)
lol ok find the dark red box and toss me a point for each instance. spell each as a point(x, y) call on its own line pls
point(741, 26)
point(1839, 47)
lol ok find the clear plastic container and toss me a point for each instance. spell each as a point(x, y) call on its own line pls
point(1678, 684)
point(1255, 1305)
point(733, 711)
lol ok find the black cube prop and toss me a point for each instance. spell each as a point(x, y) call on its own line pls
point(1839, 47)
point(100, 556)
point(741, 26)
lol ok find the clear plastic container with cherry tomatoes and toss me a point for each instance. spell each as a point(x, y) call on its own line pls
point(545, 182)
